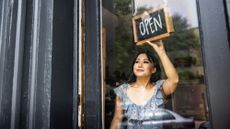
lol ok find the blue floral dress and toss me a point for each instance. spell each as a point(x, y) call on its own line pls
point(138, 116)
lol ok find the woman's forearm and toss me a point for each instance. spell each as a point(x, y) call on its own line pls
point(115, 124)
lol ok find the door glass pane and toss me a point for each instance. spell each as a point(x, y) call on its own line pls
point(183, 47)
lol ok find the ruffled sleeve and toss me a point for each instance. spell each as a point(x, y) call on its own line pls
point(160, 95)
point(119, 91)
point(159, 84)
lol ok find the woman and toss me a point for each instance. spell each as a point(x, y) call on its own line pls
point(138, 99)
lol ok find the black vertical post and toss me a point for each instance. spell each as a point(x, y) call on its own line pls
point(215, 48)
point(92, 75)
point(62, 66)
point(37, 66)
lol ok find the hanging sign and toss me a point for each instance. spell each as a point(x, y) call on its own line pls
point(152, 26)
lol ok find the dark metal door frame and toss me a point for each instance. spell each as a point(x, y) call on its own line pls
point(92, 75)
point(216, 58)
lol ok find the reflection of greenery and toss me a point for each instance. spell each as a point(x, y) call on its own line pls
point(124, 46)
point(183, 37)
point(124, 43)
point(122, 7)
point(186, 75)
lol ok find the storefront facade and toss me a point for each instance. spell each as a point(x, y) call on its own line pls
point(52, 63)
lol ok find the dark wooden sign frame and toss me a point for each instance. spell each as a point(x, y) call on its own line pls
point(168, 22)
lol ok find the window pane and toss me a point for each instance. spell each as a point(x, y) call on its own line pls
point(183, 47)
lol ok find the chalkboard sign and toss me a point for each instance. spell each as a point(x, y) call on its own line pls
point(154, 25)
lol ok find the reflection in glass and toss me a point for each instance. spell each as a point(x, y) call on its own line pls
point(183, 47)
point(227, 3)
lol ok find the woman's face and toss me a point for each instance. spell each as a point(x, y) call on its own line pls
point(143, 67)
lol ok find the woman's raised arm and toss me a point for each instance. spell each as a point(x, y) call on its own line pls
point(170, 84)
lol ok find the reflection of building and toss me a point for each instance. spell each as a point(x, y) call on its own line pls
point(189, 98)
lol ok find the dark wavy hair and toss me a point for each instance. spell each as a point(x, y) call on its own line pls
point(153, 59)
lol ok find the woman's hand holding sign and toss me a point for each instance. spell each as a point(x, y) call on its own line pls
point(158, 46)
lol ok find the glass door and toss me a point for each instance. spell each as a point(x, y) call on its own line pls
point(183, 46)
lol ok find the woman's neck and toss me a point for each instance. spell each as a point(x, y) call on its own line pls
point(142, 82)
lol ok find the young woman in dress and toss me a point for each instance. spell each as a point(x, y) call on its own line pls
point(142, 95)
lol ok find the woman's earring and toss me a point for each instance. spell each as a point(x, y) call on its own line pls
point(154, 70)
